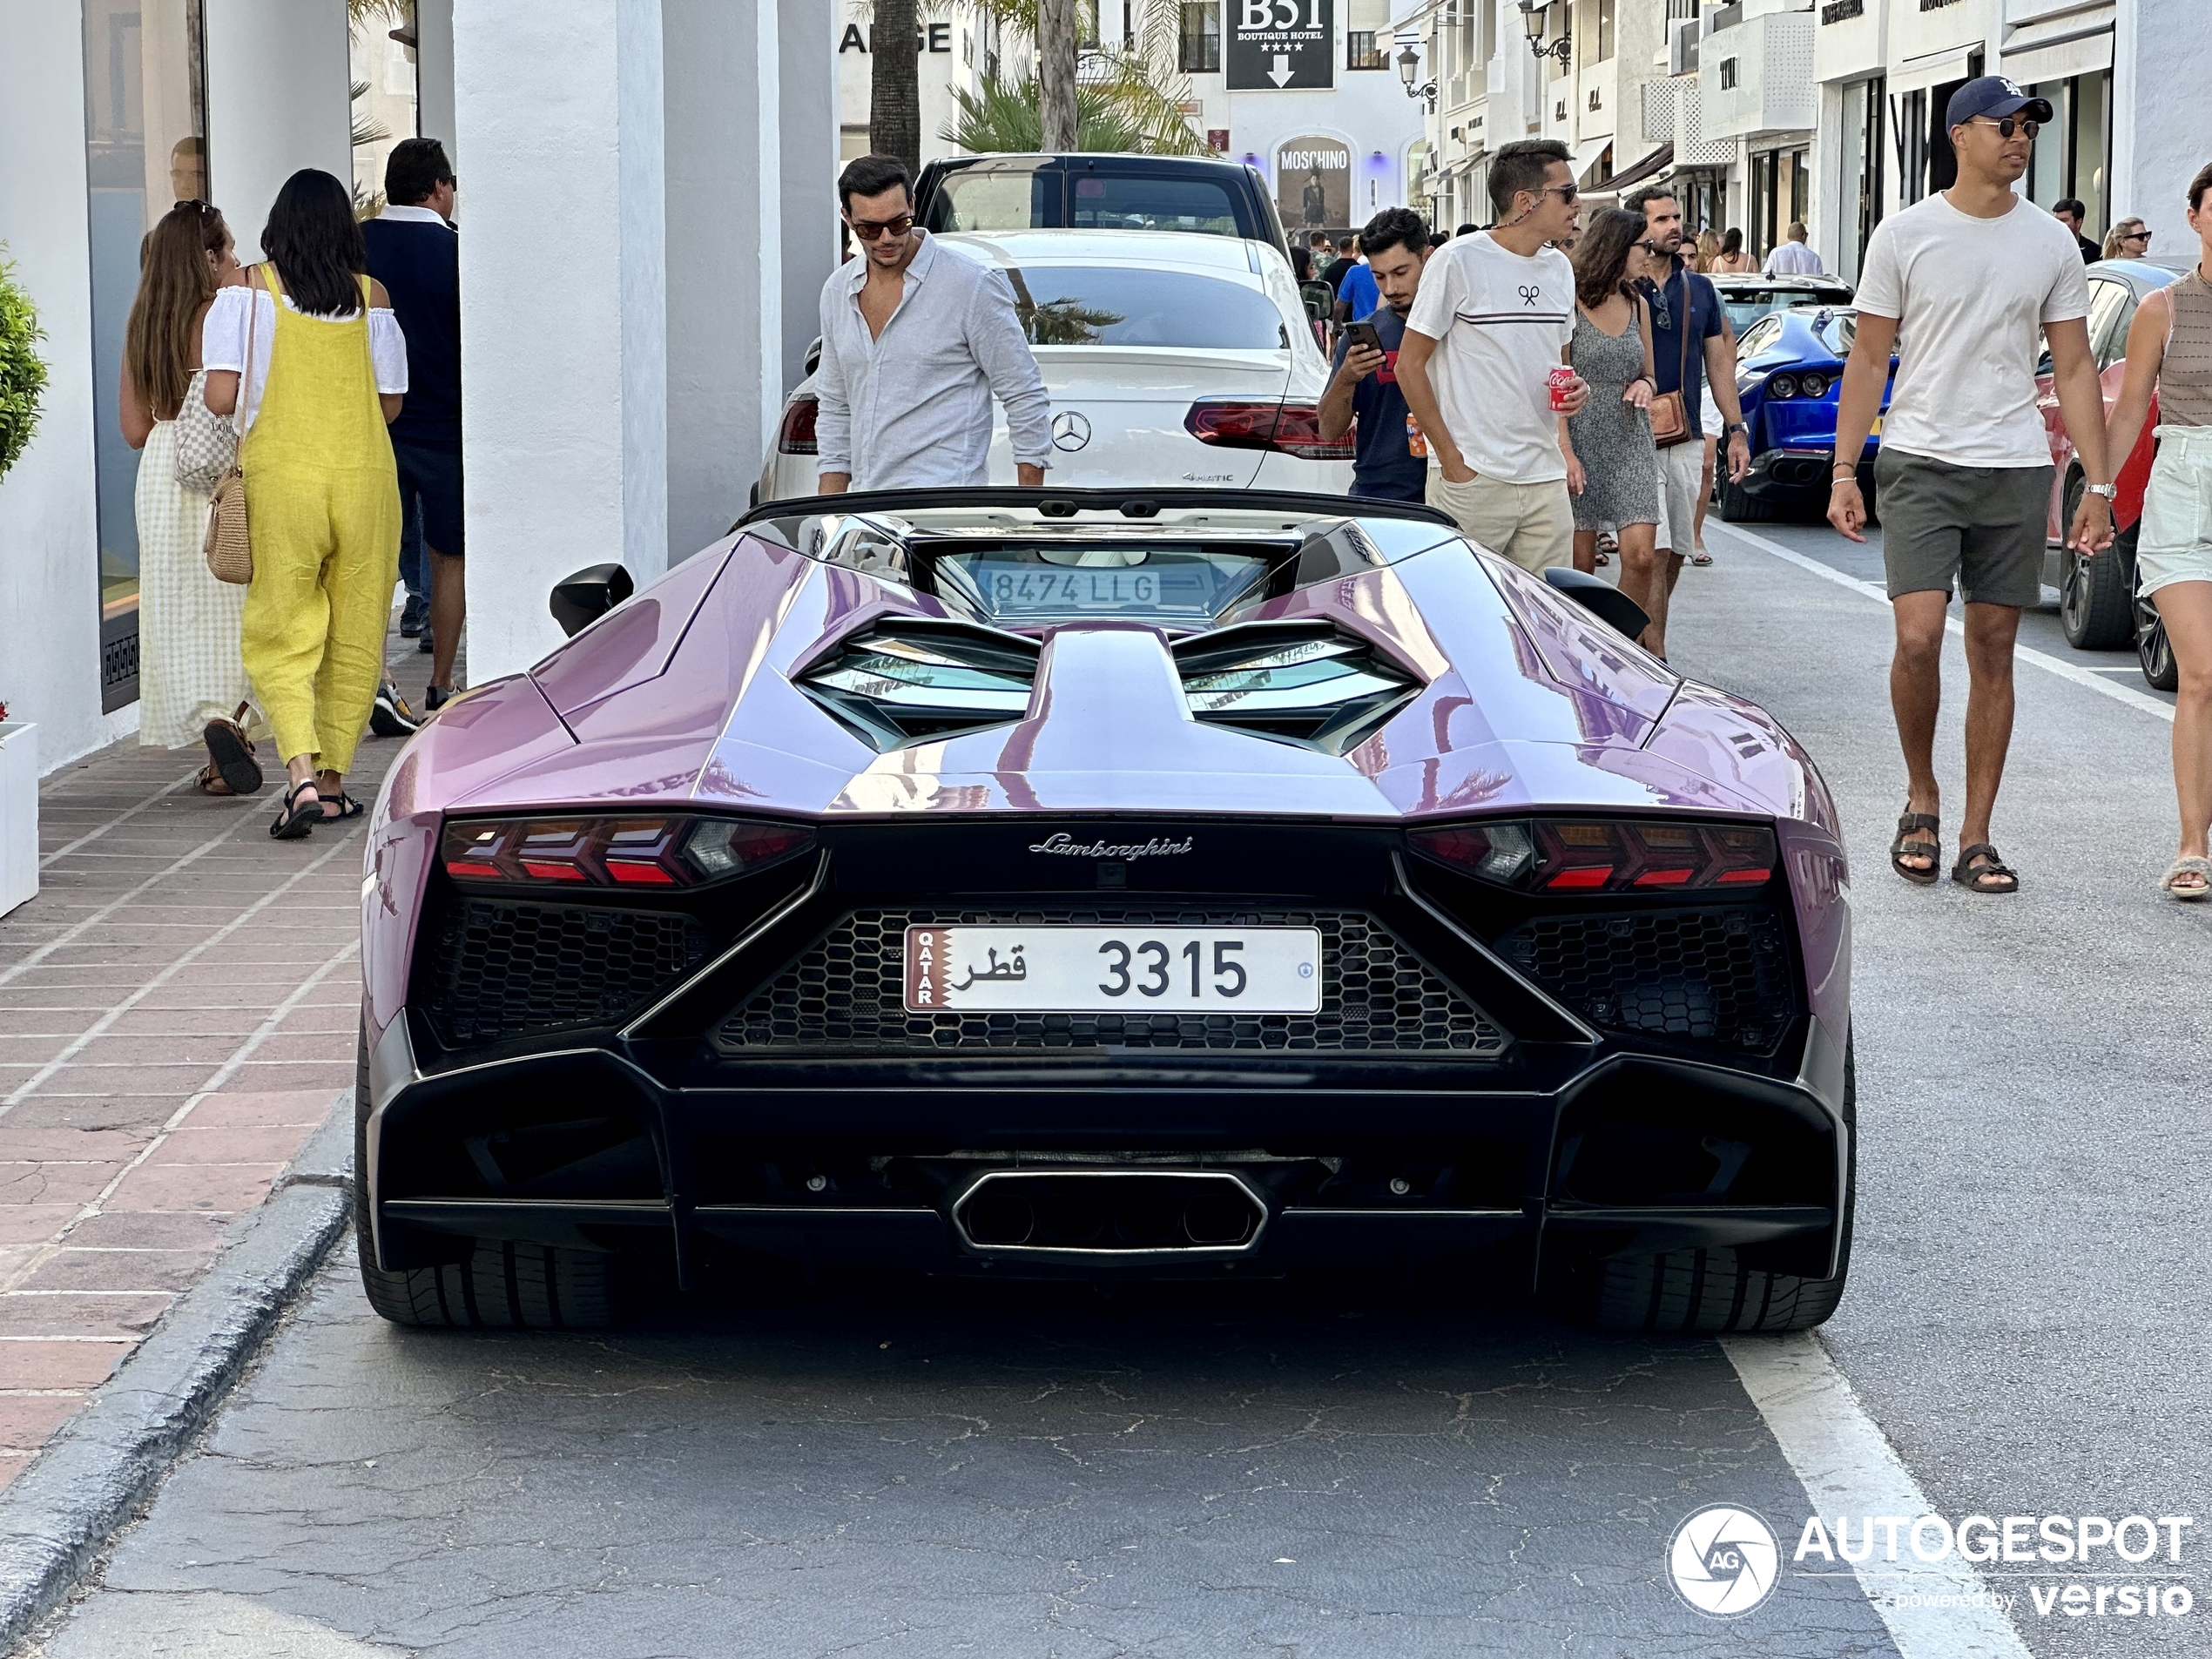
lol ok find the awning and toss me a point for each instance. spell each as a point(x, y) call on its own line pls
point(2084, 55)
point(1657, 162)
point(1932, 69)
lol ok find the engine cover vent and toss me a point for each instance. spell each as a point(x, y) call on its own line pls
point(1303, 683)
point(917, 679)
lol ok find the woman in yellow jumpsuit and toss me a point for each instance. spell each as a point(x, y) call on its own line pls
point(321, 492)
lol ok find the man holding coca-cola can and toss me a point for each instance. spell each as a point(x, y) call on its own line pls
point(1483, 365)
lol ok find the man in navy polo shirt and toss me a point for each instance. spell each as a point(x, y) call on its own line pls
point(414, 251)
point(1390, 464)
point(1682, 301)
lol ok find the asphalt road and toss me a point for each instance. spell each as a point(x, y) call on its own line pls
point(1342, 1469)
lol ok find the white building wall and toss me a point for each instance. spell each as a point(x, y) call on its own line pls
point(434, 73)
point(278, 99)
point(951, 56)
point(809, 167)
point(564, 396)
point(49, 645)
point(2161, 74)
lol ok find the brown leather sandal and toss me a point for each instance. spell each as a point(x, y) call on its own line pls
point(229, 755)
point(1906, 847)
point(1970, 875)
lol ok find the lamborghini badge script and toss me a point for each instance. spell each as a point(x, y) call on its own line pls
point(1066, 848)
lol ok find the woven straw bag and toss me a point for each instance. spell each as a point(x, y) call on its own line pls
point(228, 548)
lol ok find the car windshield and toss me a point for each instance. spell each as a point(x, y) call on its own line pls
point(1134, 305)
point(1033, 584)
point(1135, 202)
point(1746, 306)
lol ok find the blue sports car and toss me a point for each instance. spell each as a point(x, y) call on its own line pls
point(1790, 368)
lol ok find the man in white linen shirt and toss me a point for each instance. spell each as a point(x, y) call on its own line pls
point(1794, 257)
point(916, 339)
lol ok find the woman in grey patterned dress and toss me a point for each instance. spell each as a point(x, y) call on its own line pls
point(1612, 467)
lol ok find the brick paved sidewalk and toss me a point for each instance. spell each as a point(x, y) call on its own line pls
point(177, 1009)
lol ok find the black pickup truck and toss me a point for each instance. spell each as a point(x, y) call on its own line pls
point(1098, 191)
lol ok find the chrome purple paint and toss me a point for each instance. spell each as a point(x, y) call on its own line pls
point(685, 694)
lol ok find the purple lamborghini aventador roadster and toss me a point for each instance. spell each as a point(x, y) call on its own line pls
point(1059, 883)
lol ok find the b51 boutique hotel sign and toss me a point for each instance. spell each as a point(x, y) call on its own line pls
point(1281, 45)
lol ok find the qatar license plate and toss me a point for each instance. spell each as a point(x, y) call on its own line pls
point(1136, 969)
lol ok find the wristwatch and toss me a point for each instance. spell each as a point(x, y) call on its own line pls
point(1735, 426)
point(2110, 492)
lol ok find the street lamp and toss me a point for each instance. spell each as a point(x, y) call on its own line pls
point(1532, 15)
point(1409, 70)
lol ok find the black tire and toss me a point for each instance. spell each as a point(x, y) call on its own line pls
point(497, 1282)
point(1739, 507)
point(2095, 610)
point(1712, 1289)
point(2153, 652)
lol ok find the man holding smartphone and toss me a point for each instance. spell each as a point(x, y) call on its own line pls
point(1390, 463)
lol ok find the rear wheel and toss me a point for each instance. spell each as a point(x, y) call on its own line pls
point(1739, 506)
point(1714, 1290)
point(495, 1283)
point(2094, 601)
point(2153, 652)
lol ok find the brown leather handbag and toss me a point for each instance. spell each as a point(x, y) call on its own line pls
point(1669, 415)
point(228, 547)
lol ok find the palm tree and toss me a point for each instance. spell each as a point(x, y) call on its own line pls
point(1008, 116)
point(1136, 79)
point(895, 90)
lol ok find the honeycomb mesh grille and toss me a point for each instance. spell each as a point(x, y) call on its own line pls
point(847, 995)
point(503, 969)
point(1709, 975)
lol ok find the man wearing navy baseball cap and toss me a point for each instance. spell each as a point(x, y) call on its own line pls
point(1959, 285)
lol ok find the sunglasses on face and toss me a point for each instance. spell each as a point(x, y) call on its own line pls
point(1565, 193)
point(2010, 125)
point(2134, 236)
point(869, 230)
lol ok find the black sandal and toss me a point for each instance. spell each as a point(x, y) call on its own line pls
point(1969, 876)
point(1901, 848)
point(230, 755)
point(297, 820)
point(347, 805)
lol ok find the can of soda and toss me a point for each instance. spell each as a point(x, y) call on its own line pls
point(1559, 380)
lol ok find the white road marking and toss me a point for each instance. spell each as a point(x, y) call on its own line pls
point(2065, 670)
point(1849, 1467)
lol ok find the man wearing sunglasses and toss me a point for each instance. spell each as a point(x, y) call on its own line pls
point(1959, 284)
point(916, 341)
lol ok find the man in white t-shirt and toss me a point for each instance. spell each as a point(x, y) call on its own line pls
point(1960, 283)
point(1493, 318)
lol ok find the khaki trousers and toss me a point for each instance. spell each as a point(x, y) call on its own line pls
point(1531, 524)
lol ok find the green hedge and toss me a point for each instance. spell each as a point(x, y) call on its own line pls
point(23, 376)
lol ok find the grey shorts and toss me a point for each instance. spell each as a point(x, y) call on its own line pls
point(1982, 526)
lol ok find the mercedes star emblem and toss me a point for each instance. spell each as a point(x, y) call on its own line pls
point(1070, 431)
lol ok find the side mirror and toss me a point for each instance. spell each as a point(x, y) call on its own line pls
point(580, 600)
point(1601, 599)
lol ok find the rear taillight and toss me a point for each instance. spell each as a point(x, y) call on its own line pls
point(674, 851)
point(1570, 855)
point(795, 435)
point(1293, 428)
